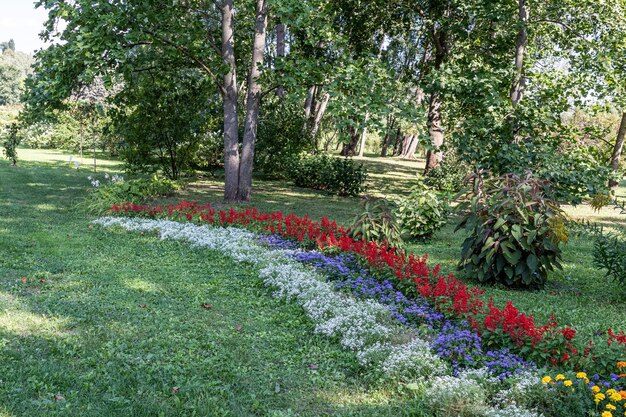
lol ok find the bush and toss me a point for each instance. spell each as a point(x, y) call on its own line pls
point(341, 176)
point(609, 252)
point(377, 223)
point(114, 190)
point(11, 140)
point(280, 137)
point(449, 176)
point(421, 214)
point(515, 230)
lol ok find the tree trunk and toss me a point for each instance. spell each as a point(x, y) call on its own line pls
point(519, 81)
point(308, 107)
point(434, 156)
point(229, 93)
point(397, 146)
point(349, 149)
point(390, 124)
point(280, 52)
point(253, 101)
point(363, 135)
point(319, 114)
point(435, 126)
point(617, 149)
point(409, 146)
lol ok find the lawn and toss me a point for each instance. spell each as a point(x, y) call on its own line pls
point(96, 323)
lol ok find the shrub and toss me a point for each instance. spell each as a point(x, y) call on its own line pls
point(376, 223)
point(421, 213)
point(11, 140)
point(449, 176)
point(114, 189)
point(341, 176)
point(515, 230)
point(609, 252)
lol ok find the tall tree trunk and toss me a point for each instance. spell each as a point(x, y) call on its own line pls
point(435, 128)
point(229, 93)
point(399, 140)
point(319, 114)
point(409, 146)
point(308, 107)
point(349, 149)
point(253, 101)
point(519, 81)
point(390, 124)
point(435, 125)
point(617, 149)
point(363, 135)
point(280, 52)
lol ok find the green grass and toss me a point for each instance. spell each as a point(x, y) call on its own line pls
point(112, 321)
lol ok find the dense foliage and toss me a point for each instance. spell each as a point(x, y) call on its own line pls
point(341, 176)
point(515, 228)
point(377, 222)
point(421, 213)
point(11, 139)
point(110, 189)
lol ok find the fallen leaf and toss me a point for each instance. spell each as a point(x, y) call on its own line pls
point(143, 305)
point(238, 328)
point(175, 390)
point(90, 226)
point(313, 366)
point(59, 397)
point(24, 280)
point(43, 281)
point(207, 306)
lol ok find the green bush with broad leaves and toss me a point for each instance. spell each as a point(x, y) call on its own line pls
point(515, 228)
point(341, 176)
point(376, 223)
point(449, 176)
point(421, 213)
point(609, 249)
point(115, 190)
point(11, 140)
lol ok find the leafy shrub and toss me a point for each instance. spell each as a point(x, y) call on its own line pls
point(449, 176)
point(421, 213)
point(341, 176)
point(115, 190)
point(515, 230)
point(376, 223)
point(280, 137)
point(609, 252)
point(11, 140)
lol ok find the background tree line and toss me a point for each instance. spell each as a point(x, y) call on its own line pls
point(502, 85)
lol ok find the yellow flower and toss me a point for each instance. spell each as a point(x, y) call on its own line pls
point(595, 389)
point(599, 397)
point(607, 414)
point(615, 397)
point(610, 391)
point(546, 379)
point(581, 375)
point(559, 377)
point(611, 407)
point(568, 383)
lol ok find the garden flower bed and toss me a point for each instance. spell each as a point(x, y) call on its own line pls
point(449, 319)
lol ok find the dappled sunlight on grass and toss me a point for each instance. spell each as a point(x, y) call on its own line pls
point(142, 285)
point(15, 319)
